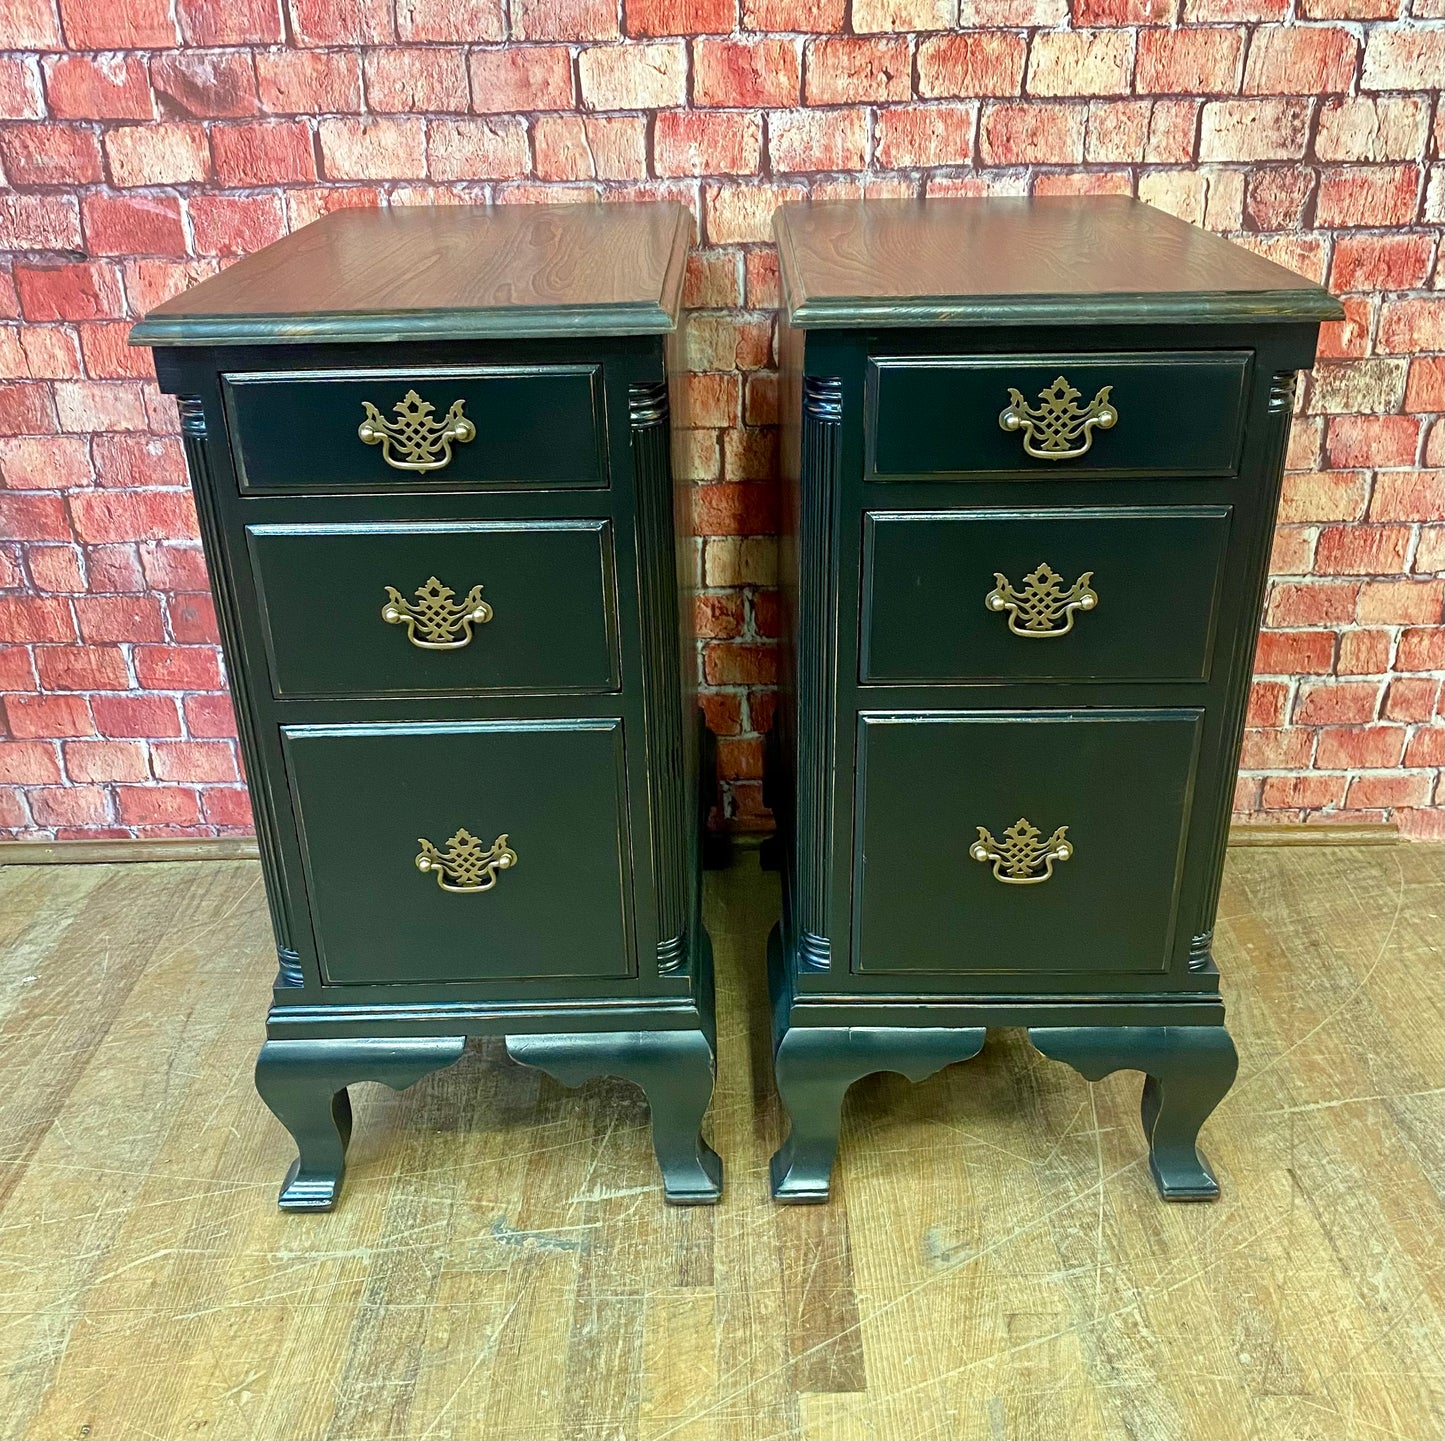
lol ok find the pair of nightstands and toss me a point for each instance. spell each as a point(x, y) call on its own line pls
point(1033, 451)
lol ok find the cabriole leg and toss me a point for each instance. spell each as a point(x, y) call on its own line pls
point(304, 1083)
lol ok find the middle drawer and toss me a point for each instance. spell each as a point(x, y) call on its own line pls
point(419, 608)
point(1049, 594)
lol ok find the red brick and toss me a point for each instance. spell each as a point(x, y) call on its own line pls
point(36, 618)
point(760, 404)
point(1372, 440)
point(1426, 747)
point(49, 155)
point(307, 82)
point(194, 762)
point(109, 355)
point(1425, 389)
point(235, 225)
point(88, 405)
point(1268, 703)
point(1272, 750)
point(210, 716)
point(1295, 652)
point(1351, 9)
point(688, 142)
point(718, 617)
point(728, 663)
point(1337, 703)
point(812, 17)
point(273, 153)
point(27, 409)
point(1364, 651)
point(590, 147)
point(193, 618)
point(713, 277)
point(1278, 197)
point(1409, 326)
point(1123, 12)
point(157, 806)
point(228, 807)
point(1357, 386)
point(564, 19)
point(98, 87)
point(33, 517)
point(528, 77)
point(105, 761)
point(740, 759)
point(55, 569)
point(132, 224)
point(84, 806)
point(117, 24)
point(1084, 182)
point(392, 149)
point(1364, 128)
point(975, 63)
point(169, 153)
point(847, 69)
point(1032, 134)
point(177, 667)
point(1402, 789)
point(39, 222)
point(148, 282)
point(1412, 698)
point(29, 25)
point(1273, 129)
point(1381, 262)
point(810, 140)
point(28, 763)
point(483, 148)
point(712, 399)
point(634, 77)
point(723, 713)
point(1306, 792)
point(736, 214)
point(1081, 62)
point(1401, 602)
point(874, 15)
point(1360, 747)
point(1408, 495)
point(1300, 60)
point(21, 97)
point(1365, 195)
point(735, 509)
point(679, 17)
point(52, 351)
point(204, 84)
point(1404, 59)
point(341, 22)
point(1208, 11)
point(409, 81)
point(114, 569)
point(1327, 495)
point(52, 462)
point(744, 73)
point(1362, 549)
point(138, 460)
point(917, 136)
point(234, 22)
point(462, 21)
point(121, 716)
point(47, 717)
point(118, 618)
point(81, 668)
point(1421, 648)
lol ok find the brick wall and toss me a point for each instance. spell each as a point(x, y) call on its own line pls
point(146, 142)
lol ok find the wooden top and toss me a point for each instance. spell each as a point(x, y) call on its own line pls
point(1050, 260)
point(447, 272)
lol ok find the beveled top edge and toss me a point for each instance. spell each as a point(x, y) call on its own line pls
point(240, 305)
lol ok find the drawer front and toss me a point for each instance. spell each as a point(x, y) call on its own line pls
point(1078, 864)
point(487, 428)
point(1040, 595)
point(1004, 416)
point(521, 829)
point(353, 610)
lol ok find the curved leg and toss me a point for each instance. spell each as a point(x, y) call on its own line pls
point(814, 1068)
point(1187, 1072)
point(304, 1083)
point(675, 1070)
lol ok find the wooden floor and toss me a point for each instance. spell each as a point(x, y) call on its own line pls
point(995, 1264)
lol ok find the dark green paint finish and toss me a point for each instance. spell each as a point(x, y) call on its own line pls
point(535, 427)
point(937, 417)
point(363, 796)
point(304, 1083)
point(1156, 571)
point(1122, 783)
point(550, 585)
point(1187, 1072)
point(675, 1070)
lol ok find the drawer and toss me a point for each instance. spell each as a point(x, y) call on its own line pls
point(519, 828)
point(363, 610)
point(1007, 416)
point(1041, 594)
point(1021, 844)
point(474, 428)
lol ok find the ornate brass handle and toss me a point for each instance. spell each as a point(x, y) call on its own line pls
point(414, 441)
point(436, 619)
point(465, 866)
point(1041, 608)
point(1023, 857)
point(1053, 430)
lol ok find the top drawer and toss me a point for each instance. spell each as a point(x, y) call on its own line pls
point(1055, 416)
point(469, 428)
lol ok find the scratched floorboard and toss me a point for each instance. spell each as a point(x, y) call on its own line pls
point(995, 1264)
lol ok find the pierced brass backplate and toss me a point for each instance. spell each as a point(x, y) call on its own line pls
point(415, 441)
point(1054, 429)
point(1023, 857)
point(436, 619)
point(465, 866)
point(1041, 607)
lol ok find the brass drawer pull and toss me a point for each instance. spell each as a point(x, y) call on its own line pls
point(465, 867)
point(1041, 608)
point(1051, 431)
point(414, 441)
point(436, 619)
point(1023, 857)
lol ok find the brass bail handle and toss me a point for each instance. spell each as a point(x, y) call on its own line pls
point(466, 866)
point(1057, 428)
point(1023, 857)
point(1041, 607)
point(434, 618)
point(415, 440)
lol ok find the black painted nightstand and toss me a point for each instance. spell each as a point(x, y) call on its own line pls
point(429, 449)
point(1035, 450)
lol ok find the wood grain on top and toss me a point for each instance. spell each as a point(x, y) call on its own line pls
point(1054, 260)
point(443, 272)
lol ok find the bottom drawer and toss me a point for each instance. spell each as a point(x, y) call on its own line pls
point(1016, 845)
point(520, 830)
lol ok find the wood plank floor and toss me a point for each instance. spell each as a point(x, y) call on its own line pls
point(995, 1264)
